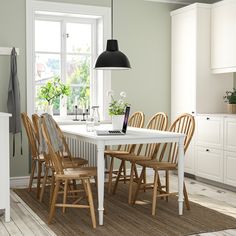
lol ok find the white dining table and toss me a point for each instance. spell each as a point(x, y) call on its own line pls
point(133, 136)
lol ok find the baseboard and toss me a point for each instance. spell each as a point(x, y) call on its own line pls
point(19, 182)
point(216, 184)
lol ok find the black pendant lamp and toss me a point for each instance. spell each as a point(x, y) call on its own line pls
point(112, 58)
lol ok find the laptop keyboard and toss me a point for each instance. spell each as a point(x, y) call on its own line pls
point(114, 132)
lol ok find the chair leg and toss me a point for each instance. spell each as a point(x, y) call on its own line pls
point(186, 198)
point(65, 195)
point(167, 184)
point(52, 188)
point(144, 180)
point(154, 199)
point(85, 187)
point(110, 175)
point(32, 175)
point(136, 172)
point(138, 185)
point(39, 178)
point(124, 171)
point(43, 184)
point(159, 183)
point(131, 182)
point(53, 202)
point(91, 205)
point(118, 177)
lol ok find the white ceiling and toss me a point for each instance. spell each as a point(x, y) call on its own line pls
point(184, 2)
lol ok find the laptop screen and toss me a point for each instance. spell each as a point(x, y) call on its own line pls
point(126, 118)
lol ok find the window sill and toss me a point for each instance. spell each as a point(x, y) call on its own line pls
point(68, 120)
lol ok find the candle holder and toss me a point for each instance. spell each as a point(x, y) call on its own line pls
point(87, 113)
point(83, 117)
point(76, 113)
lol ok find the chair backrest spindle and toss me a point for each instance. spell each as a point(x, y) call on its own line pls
point(55, 157)
point(185, 124)
point(159, 121)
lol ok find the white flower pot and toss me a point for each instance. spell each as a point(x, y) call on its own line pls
point(117, 122)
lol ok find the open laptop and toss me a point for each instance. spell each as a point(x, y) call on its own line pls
point(117, 132)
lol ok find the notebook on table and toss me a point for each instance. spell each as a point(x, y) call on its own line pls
point(117, 132)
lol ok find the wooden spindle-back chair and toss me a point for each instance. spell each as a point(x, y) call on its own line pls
point(135, 120)
point(62, 178)
point(168, 160)
point(159, 121)
point(67, 158)
point(37, 158)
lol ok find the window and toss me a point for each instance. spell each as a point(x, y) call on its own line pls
point(65, 41)
point(65, 48)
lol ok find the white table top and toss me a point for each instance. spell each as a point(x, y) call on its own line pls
point(133, 135)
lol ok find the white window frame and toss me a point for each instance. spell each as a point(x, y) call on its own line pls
point(102, 79)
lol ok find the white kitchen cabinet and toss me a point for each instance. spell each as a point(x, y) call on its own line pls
point(209, 131)
point(215, 145)
point(229, 168)
point(194, 89)
point(189, 162)
point(209, 163)
point(224, 36)
point(230, 134)
point(209, 147)
point(230, 150)
point(4, 167)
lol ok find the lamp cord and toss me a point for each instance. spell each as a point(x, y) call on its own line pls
point(111, 19)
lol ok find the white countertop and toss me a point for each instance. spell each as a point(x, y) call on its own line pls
point(218, 114)
point(5, 114)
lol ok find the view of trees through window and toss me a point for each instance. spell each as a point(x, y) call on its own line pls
point(64, 49)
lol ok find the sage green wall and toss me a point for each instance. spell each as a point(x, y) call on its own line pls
point(143, 31)
point(12, 27)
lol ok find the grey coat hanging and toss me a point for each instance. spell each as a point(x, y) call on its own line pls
point(13, 101)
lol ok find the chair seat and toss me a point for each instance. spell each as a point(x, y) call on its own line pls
point(133, 158)
point(115, 152)
point(75, 173)
point(74, 161)
point(156, 165)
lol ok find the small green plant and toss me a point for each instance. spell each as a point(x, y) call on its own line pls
point(53, 89)
point(117, 107)
point(230, 96)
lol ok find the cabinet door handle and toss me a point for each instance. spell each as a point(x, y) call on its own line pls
point(207, 150)
point(208, 118)
point(193, 112)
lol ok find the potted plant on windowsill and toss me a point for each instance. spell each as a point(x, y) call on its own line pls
point(53, 89)
point(117, 110)
point(230, 98)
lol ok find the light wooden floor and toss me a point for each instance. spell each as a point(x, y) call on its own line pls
point(27, 223)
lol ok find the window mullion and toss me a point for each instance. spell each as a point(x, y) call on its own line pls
point(63, 51)
point(63, 101)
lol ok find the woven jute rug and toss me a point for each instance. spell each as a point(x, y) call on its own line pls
point(123, 219)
